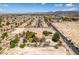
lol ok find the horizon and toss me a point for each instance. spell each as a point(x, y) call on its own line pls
point(19, 8)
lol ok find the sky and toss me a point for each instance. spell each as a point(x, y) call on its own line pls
point(37, 7)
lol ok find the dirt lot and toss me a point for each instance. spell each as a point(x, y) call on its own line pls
point(70, 29)
point(37, 51)
point(62, 50)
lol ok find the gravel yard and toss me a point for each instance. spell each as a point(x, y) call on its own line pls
point(36, 51)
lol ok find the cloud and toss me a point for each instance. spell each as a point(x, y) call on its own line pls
point(70, 9)
point(69, 5)
point(3, 5)
point(58, 5)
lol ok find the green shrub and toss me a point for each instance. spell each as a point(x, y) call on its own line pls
point(7, 23)
point(13, 43)
point(30, 34)
point(4, 35)
point(46, 33)
point(56, 37)
point(35, 39)
point(30, 39)
point(22, 45)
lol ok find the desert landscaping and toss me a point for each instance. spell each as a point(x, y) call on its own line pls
point(33, 34)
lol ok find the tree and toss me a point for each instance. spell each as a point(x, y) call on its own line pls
point(56, 37)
